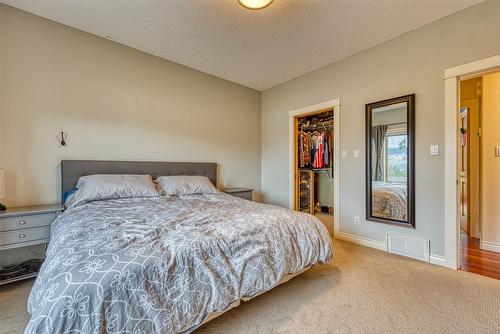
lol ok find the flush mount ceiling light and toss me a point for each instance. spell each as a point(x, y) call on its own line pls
point(255, 4)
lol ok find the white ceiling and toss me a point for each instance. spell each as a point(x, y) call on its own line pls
point(258, 49)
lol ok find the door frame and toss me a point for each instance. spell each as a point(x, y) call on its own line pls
point(452, 78)
point(331, 104)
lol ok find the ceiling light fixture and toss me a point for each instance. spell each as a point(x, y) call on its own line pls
point(255, 4)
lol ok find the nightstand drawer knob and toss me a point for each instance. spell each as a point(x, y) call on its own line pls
point(22, 222)
point(22, 235)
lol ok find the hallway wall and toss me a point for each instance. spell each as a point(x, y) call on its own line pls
point(490, 238)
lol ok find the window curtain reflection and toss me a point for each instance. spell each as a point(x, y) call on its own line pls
point(378, 137)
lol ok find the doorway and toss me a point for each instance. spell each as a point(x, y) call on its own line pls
point(452, 196)
point(478, 167)
point(314, 185)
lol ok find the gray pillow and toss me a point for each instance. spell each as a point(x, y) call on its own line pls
point(111, 186)
point(185, 185)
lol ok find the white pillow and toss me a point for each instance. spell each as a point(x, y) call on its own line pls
point(185, 185)
point(110, 186)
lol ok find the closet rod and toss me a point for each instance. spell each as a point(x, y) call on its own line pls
point(316, 125)
point(316, 122)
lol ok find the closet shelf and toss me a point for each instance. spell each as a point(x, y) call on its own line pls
point(315, 169)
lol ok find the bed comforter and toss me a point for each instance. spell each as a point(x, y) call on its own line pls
point(162, 265)
point(389, 200)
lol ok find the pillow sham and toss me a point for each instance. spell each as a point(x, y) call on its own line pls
point(111, 186)
point(177, 185)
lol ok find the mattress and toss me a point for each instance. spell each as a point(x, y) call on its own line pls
point(167, 264)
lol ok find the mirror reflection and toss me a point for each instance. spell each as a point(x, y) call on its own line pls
point(390, 162)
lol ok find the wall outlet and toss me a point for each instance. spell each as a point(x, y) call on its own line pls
point(356, 154)
point(497, 151)
point(343, 154)
point(357, 220)
point(434, 150)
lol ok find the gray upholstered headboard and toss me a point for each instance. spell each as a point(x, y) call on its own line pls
point(71, 170)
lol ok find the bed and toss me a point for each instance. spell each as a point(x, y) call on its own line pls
point(389, 200)
point(164, 264)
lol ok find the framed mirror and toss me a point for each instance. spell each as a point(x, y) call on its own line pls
point(390, 161)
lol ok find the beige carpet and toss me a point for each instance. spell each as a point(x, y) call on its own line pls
point(361, 291)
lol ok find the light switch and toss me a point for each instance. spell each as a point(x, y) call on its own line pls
point(356, 154)
point(434, 149)
point(343, 154)
point(497, 151)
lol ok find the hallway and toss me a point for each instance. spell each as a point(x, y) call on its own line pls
point(478, 261)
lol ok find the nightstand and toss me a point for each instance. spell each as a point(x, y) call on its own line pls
point(25, 226)
point(245, 193)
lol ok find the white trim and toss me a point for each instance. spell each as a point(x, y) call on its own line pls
point(438, 260)
point(336, 168)
point(316, 107)
point(473, 68)
point(451, 215)
point(434, 259)
point(362, 241)
point(335, 104)
point(489, 246)
point(451, 231)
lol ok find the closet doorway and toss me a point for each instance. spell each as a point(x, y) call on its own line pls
point(314, 163)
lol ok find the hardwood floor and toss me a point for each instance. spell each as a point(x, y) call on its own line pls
point(479, 261)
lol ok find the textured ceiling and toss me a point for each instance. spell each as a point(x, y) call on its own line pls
point(258, 49)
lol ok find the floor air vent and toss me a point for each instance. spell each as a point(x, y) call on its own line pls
point(408, 246)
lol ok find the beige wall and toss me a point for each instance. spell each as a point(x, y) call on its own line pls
point(114, 102)
point(412, 63)
point(490, 231)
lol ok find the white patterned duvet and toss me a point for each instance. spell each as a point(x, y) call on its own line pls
point(163, 264)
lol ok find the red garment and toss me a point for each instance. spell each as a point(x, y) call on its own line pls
point(318, 156)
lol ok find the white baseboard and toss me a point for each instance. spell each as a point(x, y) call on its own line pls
point(380, 245)
point(361, 241)
point(438, 260)
point(490, 246)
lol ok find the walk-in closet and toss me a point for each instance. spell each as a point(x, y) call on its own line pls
point(314, 165)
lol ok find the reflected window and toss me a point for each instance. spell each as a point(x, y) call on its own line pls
point(396, 163)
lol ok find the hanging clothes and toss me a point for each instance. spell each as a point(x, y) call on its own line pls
point(315, 149)
point(326, 155)
point(301, 152)
point(304, 149)
point(320, 151)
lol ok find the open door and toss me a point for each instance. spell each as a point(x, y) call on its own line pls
point(463, 161)
point(469, 169)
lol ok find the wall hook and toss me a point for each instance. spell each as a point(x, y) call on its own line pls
point(63, 142)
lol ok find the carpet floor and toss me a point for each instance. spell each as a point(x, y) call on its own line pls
point(361, 291)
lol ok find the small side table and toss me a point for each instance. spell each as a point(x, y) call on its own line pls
point(245, 193)
point(25, 226)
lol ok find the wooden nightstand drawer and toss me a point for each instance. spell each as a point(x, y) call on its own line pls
point(245, 193)
point(27, 235)
point(30, 221)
